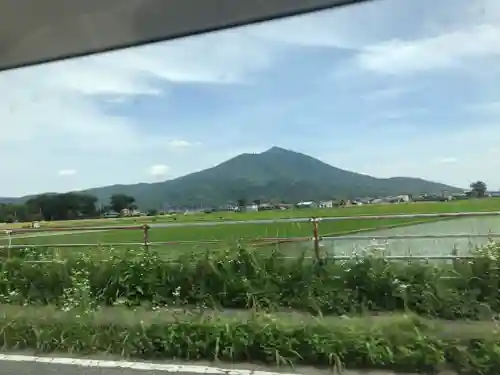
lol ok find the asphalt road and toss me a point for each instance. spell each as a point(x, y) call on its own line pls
point(29, 365)
point(13, 368)
point(23, 368)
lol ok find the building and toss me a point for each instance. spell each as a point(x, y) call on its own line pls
point(403, 198)
point(130, 212)
point(326, 204)
point(307, 204)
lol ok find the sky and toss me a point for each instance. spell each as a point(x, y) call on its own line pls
point(386, 88)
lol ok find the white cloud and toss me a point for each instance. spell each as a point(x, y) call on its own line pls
point(180, 143)
point(158, 170)
point(439, 52)
point(66, 172)
point(447, 160)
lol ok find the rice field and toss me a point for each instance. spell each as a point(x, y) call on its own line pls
point(175, 237)
point(228, 234)
point(486, 227)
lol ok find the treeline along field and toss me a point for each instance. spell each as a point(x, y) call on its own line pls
point(32, 211)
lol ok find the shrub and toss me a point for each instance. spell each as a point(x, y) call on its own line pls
point(241, 279)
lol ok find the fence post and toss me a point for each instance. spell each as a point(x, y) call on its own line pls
point(8, 232)
point(145, 229)
point(455, 260)
point(316, 238)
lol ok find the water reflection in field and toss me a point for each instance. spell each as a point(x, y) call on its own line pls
point(417, 246)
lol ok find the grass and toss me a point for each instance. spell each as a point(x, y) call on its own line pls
point(238, 305)
point(444, 329)
point(396, 342)
point(401, 342)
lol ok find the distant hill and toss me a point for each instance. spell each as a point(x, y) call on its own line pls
point(276, 174)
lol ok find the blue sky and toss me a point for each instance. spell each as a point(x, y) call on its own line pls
point(387, 88)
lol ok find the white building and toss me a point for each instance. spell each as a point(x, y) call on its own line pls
point(326, 204)
point(403, 198)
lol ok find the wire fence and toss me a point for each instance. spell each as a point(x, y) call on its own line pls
point(315, 240)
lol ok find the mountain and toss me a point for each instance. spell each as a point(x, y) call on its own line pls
point(274, 174)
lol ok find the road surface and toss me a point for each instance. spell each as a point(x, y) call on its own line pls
point(30, 365)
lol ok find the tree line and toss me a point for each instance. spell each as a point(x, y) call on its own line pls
point(66, 206)
point(70, 206)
